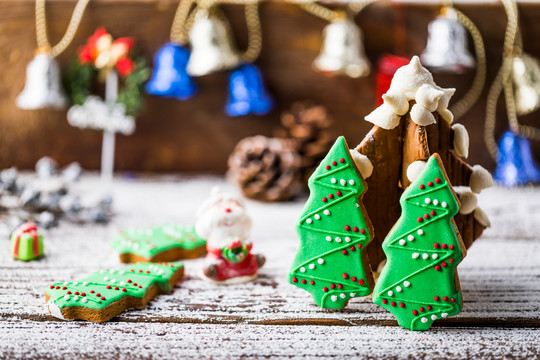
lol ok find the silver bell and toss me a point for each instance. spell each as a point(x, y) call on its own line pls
point(343, 50)
point(212, 47)
point(446, 48)
point(526, 80)
point(43, 88)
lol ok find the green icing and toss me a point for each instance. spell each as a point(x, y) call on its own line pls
point(418, 283)
point(110, 285)
point(333, 233)
point(148, 242)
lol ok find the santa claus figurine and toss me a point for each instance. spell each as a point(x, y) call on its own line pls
point(223, 222)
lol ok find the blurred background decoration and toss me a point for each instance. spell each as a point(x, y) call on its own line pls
point(234, 85)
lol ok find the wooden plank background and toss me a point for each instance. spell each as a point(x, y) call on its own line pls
point(500, 279)
point(195, 135)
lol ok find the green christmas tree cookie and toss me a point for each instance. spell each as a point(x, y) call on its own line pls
point(419, 282)
point(333, 229)
point(104, 294)
point(161, 243)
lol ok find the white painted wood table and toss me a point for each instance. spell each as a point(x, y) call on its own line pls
point(500, 279)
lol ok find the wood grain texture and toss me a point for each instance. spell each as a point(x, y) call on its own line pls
point(499, 279)
point(195, 135)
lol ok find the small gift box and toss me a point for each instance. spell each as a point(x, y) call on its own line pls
point(26, 243)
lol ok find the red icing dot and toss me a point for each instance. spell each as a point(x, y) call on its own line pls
point(304, 281)
point(148, 272)
point(437, 180)
point(83, 294)
point(325, 289)
point(64, 288)
point(451, 261)
point(342, 160)
point(51, 287)
point(103, 298)
point(445, 298)
point(339, 286)
point(384, 301)
point(294, 280)
point(129, 280)
point(324, 199)
point(402, 305)
point(76, 293)
point(437, 298)
point(452, 300)
point(393, 304)
point(108, 286)
point(332, 286)
point(438, 268)
point(312, 282)
point(430, 307)
point(92, 291)
point(331, 196)
point(353, 278)
point(327, 167)
point(430, 183)
point(451, 247)
point(422, 187)
point(69, 293)
point(134, 284)
point(444, 246)
point(426, 216)
point(140, 287)
point(334, 163)
point(98, 294)
point(362, 231)
point(116, 288)
point(345, 252)
point(436, 245)
point(359, 246)
point(433, 213)
point(353, 248)
point(339, 193)
point(444, 264)
point(347, 228)
point(422, 309)
point(140, 271)
point(345, 275)
point(355, 229)
point(420, 219)
point(132, 270)
point(361, 282)
point(414, 312)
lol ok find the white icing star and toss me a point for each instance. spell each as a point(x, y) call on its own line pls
point(444, 315)
point(343, 182)
point(326, 212)
point(444, 204)
point(424, 320)
point(433, 317)
point(66, 297)
point(435, 202)
point(84, 300)
point(333, 180)
point(334, 298)
point(317, 216)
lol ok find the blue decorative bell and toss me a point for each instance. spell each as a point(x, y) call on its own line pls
point(247, 93)
point(515, 164)
point(169, 78)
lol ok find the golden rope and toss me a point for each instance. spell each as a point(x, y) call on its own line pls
point(41, 27)
point(178, 33)
point(253, 23)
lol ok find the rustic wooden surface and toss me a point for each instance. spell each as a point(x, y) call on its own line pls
point(196, 135)
point(500, 279)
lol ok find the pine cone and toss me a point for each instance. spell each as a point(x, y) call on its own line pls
point(309, 125)
point(265, 168)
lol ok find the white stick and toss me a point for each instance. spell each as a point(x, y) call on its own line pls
point(107, 148)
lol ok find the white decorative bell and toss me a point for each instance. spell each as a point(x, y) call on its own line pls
point(43, 88)
point(446, 48)
point(342, 51)
point(526, 80)
point(212, 48)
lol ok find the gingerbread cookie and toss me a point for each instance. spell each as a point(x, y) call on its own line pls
point(411, 124)
point(162, 243)
point(331, 263)
point(419, 283)
point(104, 294)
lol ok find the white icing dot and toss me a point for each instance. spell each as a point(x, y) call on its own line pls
point(424, 320)
point(352, 294)
point(312, 266)
point(302, 269)
point(75, 283)
point(317, 216)
point(334, 298)
point(338, 239)
point(415, 255)
point(76, 297)
point(351, 182)
point(84, 300)
point(328, 238)
point(444, 315)
point(121, 272)
point(320, 261)
point(106, 278)
point(425, 256)
point(402, 242)
point(66, 297)
point(390, 293)
point(85, 283)
point(420, 232)
point(347, 239)
point(309, 221)
point(434, 256)
point(343, 182)
point(333, 180)
point(111, 271)
point(113, 281)
point(410, 237)
point(342, 295)
point(326, 212)
point(123, 283)
point(433, 317)
point(406, 284)
point(398, 288)
point(444, 204)
point(427, 200)
point(435, 202)
point(65, 283)
point(160, 272)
